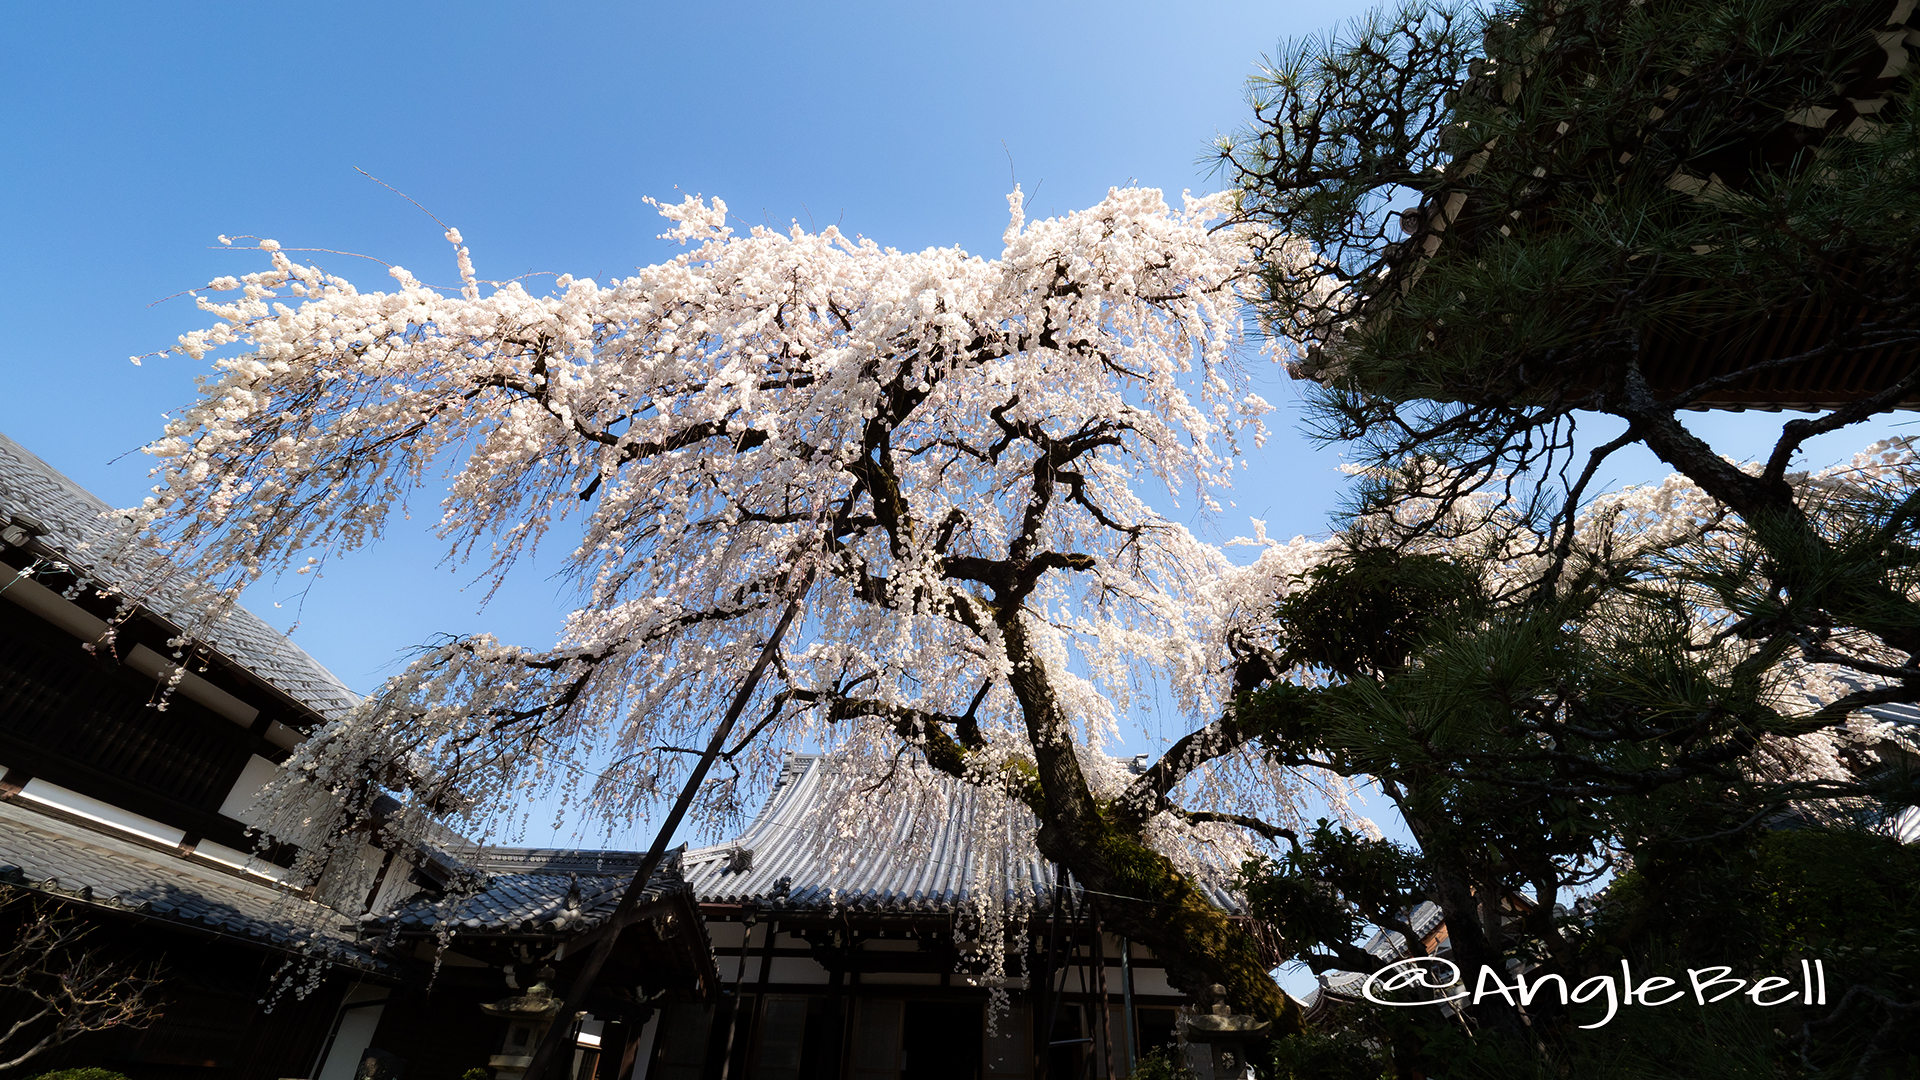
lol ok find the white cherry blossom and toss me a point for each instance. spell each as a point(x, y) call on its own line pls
point(916, 442)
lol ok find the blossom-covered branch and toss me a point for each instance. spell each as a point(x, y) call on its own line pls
point(950, 450)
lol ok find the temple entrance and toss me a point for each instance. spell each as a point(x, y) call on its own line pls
point(940, 1040)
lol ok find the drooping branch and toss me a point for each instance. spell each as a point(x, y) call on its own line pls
point(1147, 794)
point(933, 735)
point(1273, 833)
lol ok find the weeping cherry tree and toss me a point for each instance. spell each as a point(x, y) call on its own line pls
point(939, 457)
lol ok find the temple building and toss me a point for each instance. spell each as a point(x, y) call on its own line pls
point(783, 955)
point(856, 968)
point(925, 948)
point(134, 818)
point(506, 951)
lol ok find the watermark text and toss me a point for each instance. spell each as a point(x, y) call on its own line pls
point(1428, 980)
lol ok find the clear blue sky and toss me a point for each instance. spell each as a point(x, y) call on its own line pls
point(134, 134)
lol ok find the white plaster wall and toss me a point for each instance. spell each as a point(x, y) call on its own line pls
point(644, 1055)
point(239, 801)
point(1149, 981)
point(725, 935)
point(102, 812)
point(354, 1034)
point(396, 887)
point(239, 860)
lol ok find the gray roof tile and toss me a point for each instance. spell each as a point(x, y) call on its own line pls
point(77, 524)
point(918, 863)
point(535, 890)
point(65, 859)
point(919, 859)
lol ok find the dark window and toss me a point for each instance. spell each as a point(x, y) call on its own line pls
point(783, 1029)
point(59, 703)
point(683, 1041)
point(940, 1040)
point(1155, 1029)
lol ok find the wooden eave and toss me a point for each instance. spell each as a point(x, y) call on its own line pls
point(1692, 347)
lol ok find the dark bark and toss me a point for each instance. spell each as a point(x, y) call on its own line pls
point(1777, 522)
point(1144, 898)
point(1471, 912)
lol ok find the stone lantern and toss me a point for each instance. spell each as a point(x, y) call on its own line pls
point(1228, 1035)
point(528, 1017)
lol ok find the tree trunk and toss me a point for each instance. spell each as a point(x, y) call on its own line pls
point(1143, 897)
point(1471, 911)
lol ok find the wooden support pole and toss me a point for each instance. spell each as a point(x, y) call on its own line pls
point(549, 1049)
point(1105, 1027)
point(1047, 997)
point(1126, 1002)
point(739, 976)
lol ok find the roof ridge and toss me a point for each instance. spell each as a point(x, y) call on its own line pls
point(74, 519)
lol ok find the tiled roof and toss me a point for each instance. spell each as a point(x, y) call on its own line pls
point(536, 891)
point(75, 523)
point(919, 862)
point(1905, 826)
point(1904, 715)
point(61, 858)
point(561, 861)
point(1387, 945)
point(918, 857)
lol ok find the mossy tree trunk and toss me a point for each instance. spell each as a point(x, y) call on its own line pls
point(1139, 891)
point(1140, 894)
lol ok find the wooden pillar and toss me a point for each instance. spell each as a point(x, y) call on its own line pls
point(1126, 1001)
point(760, 995)
point(833, 1025)
point(1104, 1027)
point(1045, 998)
point(733, 1017)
